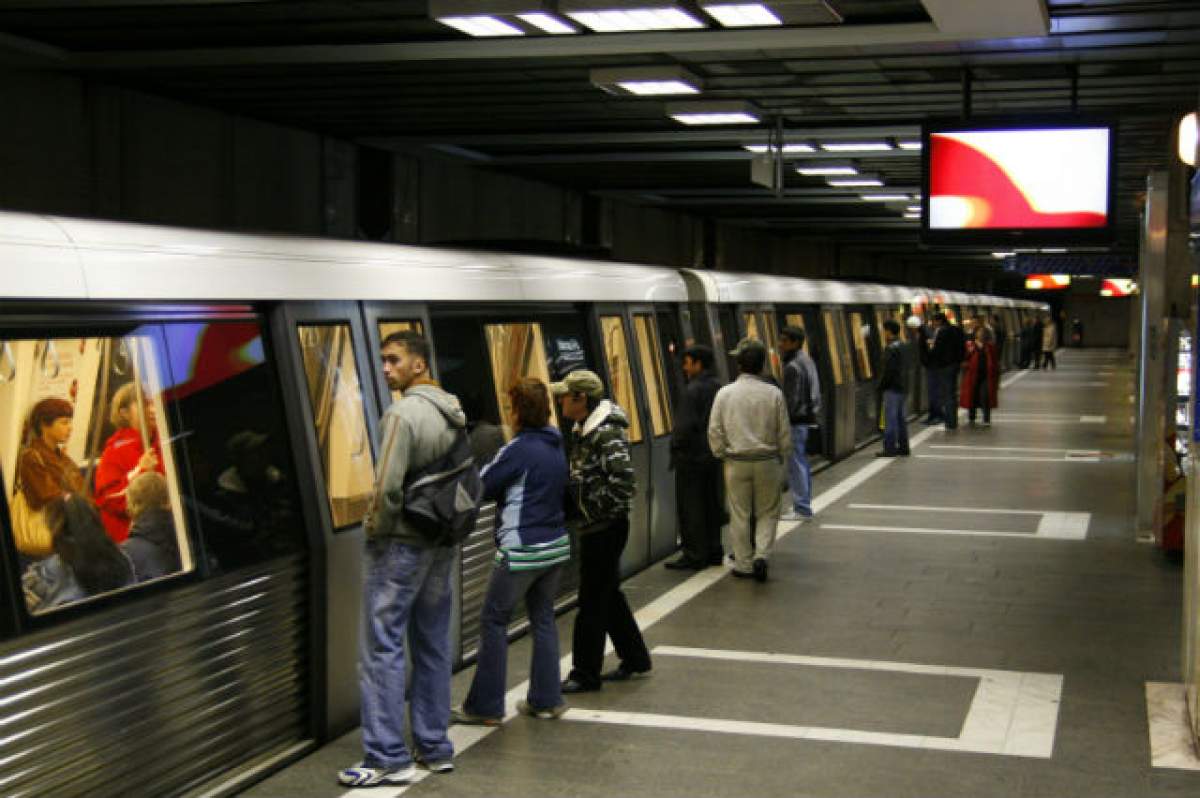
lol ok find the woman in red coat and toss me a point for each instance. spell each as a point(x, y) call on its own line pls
point(980, 376)
point(125, 458)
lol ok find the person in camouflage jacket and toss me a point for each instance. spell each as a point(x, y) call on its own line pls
point(602, 490)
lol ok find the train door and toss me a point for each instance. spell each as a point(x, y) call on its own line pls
point(328, 372)
point(866, 404)
point(481, 352)
point(614, 326)
point(654, 367)
point(842, 395)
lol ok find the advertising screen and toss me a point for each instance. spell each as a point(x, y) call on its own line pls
point(998, 183)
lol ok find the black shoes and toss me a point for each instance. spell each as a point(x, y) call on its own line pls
point(684, 564)
point(623, 674)
point(760, 570)
point(885, 453)
point(576, 686)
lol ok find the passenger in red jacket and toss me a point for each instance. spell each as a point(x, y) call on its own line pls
point(981, 376)
point(124, 458)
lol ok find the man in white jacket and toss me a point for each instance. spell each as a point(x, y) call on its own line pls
point(750, 432)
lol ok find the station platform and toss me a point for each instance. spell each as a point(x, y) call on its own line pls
point(975, 620)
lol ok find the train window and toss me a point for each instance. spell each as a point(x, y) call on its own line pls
point(656, 383)
point(771, 339)
point(797, 320)
point(858, 334)
point(516, 350)
point(335, 391)
point(87, 454)
point(751, 320)
point(835, 347)
point(387, 328)
point(616, 353)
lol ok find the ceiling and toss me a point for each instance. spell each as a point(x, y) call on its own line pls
point(381, 72)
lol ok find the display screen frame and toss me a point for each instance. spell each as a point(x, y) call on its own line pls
point(1019, 236)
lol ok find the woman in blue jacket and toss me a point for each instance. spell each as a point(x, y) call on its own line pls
point(528, 479)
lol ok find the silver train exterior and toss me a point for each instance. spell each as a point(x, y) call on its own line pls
point(264, 349)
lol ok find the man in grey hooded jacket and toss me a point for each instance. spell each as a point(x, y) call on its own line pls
point(406, 583)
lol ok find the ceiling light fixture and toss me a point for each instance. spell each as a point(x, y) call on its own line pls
point(909, 145)
point(856, 181)
point(884, 197)
point(482, 26)
point(823, 168)
point(1003, 255)
point(1189, 136)
point(788, 149)
point(856, 146)
point(742, 15)
point(913, 209)
point(547, 23)
point(733, 112)
point(624, 16)
point(647, 81)
point(910, 215)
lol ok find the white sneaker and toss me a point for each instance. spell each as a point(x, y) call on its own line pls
point(362, 776)
point(790, 515)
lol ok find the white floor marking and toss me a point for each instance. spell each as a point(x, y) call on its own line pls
point(1050, 533)
point(1171, 744)
point(1053, 524)
point(1069, 452)
point(464, 737)
point(1059, 418)
point(1011, 714)
point(1009, 458)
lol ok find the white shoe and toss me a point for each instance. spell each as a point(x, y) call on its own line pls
point(790, 515)
point(361, 776)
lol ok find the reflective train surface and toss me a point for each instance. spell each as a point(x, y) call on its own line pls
point(240, 373)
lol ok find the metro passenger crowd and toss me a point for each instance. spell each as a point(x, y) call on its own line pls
point(739, 441)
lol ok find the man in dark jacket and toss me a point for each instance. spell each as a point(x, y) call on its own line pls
point(893, 387)
point(602, 487)
point(933, 382)
point(698, 481)
point(802, 392)
point(949, 348)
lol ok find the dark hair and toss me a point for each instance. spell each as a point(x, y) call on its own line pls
point(82, 544)
point(752, 359)
point(45, 412)
point(412, 342)
point(794, 333)
point(701, 354)
point(940, 316)
point(531, 402)
point(892, 326)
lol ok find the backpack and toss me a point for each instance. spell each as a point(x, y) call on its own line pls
point(442, 499)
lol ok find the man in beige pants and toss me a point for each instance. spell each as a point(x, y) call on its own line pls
point(749, 431)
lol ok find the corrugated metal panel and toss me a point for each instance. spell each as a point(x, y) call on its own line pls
point(162, 695)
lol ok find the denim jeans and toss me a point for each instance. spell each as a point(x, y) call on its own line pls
point(406, 595)
point(505, 589)
point(895, 425)
point(799, 472)
point(933, 386)
point(948, 376)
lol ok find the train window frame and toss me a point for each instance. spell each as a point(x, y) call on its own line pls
point(361, 446)
point(860, 344)
point(771, 339)
point(831, 336)
point(622, 375)
point(654, 373)
point(500, 386)
point(146, 352)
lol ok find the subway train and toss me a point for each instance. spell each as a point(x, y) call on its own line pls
point(243, 371)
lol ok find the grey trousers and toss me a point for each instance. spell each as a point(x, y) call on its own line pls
point(754, 490)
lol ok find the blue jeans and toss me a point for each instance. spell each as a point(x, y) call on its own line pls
point(933, 386)
point(406, 594)
point(948, 377)
point(504, 591)
point(799, 472)
point(895, 425)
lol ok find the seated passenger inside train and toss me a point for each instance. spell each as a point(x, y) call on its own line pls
point(152, 546)
point(132, 450)
point(44, 472)
point(85, 561)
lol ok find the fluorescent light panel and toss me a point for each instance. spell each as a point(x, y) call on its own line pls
point(647, 81)
point(742, 15)
point(823, 168)
point(714, 118)
point(654, 88)
point(547, 23)
point(616, 17)
point(909, 145)
point(884, 197)
point(913, 208)
point(761, 149)
point(713, 113)
point(857, 181)
point(856, 146)
point(908, 215)
point(482, 26)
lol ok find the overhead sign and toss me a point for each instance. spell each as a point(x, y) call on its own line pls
point(1097, 265)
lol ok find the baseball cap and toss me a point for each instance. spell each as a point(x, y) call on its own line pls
point(579, 381)
point(746, 344)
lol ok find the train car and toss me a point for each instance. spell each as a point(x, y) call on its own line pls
point(227, 387)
